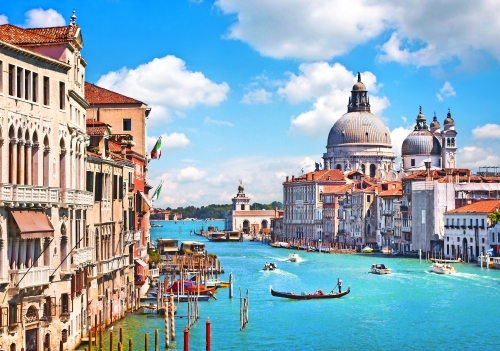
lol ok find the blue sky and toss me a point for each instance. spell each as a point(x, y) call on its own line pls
point(250, 89)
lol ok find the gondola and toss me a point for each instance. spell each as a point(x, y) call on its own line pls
point(304, 296)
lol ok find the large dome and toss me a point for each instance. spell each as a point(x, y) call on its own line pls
point(359, 128)
point(421, 142)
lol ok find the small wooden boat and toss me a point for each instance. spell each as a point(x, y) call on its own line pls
point(367, 249)
point(380, 268)
point(186, 298)
point(190, 287)
point(293, 257)
point(304, 296)
point(442, 268)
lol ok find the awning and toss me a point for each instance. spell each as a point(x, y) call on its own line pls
point(33, 224)
point(141, 262)
point(146, 200)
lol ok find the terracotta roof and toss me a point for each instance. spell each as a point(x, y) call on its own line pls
point(391, 192)
point(485, 206)
point(96, 128)
point(324, 175)
point(114, 147)
point(33, 36)
point(97, 95)
point(336, 189)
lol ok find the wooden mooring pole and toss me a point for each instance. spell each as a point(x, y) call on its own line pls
point(172, 318)
point(167, 341)
point(207, 331)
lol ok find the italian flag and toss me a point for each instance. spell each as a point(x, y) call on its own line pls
point(156, 153)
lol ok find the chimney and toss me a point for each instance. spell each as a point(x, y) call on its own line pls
point(293, 178)
point(468, 176)
point(427, 170)
point(287, 179)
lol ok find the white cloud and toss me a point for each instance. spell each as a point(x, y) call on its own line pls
point(446, 91)
point(328, 86)
point(473, 157)
point(210, 182)
point(169, 141)
point(165, 82)
point(423, 32)
point(37, 18)
point(488, 131)
point(398, 135)
point(3, 19)
point(257, 96)
point(209, 121)
point(190, 174)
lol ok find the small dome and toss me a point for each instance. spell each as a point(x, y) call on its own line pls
point(435, 124)
point(359, 86)
point(421, 142)
point(449, 121)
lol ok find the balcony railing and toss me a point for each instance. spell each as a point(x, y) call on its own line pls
point(137, 235)
point(404, 208)
point(387, 231)
point(154, 272)
point(406, 229)
point(388, 212)
point(36, 276)
point(110, 265)
point(83, 256)
point(26, 195)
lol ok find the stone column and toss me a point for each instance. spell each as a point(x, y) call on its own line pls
point(20, 162)
point(29, 257)
point(13, 161)
point(29, 161)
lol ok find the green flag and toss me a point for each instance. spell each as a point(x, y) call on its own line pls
point(157, 192)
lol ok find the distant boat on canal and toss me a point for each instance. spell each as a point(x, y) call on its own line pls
point(442, 268)
point(293, 257)
point(305, 296)
point(367, 249)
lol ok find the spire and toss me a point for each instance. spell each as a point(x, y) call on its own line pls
point(421, 120)
point(72, 19)
point(359, 77)
point(358, 102)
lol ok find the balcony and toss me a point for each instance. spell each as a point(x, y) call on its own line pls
point(388, 212)
point(83, 256)
point(404, 208)
point(406, 229)
point(154, 272)
point(108, 266)
point(28, 195)
point(36, 276)
point(137, 235)
point(387, 231)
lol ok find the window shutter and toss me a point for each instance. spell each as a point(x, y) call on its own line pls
point(4, 316)
point(90, 181)
point(98, 186)
point(73, 284)
point(115, 187)
point(120, 185)
point(52, 306)
point(70, 304)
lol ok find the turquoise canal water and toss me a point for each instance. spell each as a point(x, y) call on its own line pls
point(412, 309)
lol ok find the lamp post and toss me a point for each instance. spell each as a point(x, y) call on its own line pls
point(319, 241)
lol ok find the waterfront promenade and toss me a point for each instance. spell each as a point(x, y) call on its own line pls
point(411, 309)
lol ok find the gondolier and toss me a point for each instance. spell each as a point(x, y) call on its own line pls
point(339, 284)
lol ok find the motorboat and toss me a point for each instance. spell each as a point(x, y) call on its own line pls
point(380, 268)
point(269, 266)
point(442, 268)
point(367, 249)
point(293, 257)
point(190, 287)
point(217, 236)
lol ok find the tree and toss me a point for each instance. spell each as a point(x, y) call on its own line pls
point(494, 217)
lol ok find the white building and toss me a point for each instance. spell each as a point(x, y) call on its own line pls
point(466, 229)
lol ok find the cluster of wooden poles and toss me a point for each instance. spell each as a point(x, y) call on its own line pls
point(243, 310)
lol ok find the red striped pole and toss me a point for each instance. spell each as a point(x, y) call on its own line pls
point(172, 317)
point(186, 339)
point(208, 333)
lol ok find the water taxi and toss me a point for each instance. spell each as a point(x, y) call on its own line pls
point(269, 266)
point(380, 268)
point(293, 257)
point(217, 236)
point(442, 268)
point(367, 249)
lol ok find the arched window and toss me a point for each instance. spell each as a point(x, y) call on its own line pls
point(372, 170)
point(32, 314)
point(363, 168)
point(62, 164)
point(369, 213)
point(64, 335)
point(263, 224)
point(368, 229)
point(46, 342)
point(12, 347)
point(448, 143)
point(34, 159)
point(452, 141)
point(12, 157)
point(46, 161)
point(339, 166)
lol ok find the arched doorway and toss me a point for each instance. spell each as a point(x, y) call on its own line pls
point(246, 226)
point(339, 166)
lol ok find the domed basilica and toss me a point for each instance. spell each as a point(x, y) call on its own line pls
point(359, 140)
point(430, 144)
